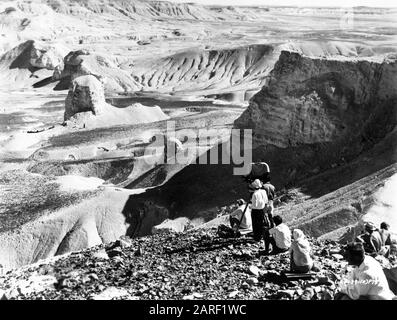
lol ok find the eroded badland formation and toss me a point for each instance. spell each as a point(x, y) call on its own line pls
point(86, 85)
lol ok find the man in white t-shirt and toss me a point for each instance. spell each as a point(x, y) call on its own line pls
point(280, 236)
point(366, 281)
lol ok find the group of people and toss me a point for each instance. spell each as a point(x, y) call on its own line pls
point(365, 280)
point(257, 217)
point(376, 241)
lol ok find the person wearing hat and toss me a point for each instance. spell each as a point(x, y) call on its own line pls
point(260, 219)
point(241, 219)
point(371, 239)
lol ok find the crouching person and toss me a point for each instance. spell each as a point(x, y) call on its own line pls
point(240, 219)
point(301, 261)
point(366, 281)
point(280, 236)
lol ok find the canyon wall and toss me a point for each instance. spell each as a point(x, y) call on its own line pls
point(313, 100)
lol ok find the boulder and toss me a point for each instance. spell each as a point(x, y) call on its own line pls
point(177, 225)
point(85, 95)
point(111, 293)
point(254, 270)
point(85, 107)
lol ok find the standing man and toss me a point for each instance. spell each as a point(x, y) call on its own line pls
point(270, 191)
point(260, 219)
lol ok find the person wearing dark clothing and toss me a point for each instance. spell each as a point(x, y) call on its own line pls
point(371, 239)
point(385, 234)
point(261, 221)
point(258, 204)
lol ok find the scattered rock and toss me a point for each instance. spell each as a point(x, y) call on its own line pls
point(252, 281)
point(138, 252)
point(197, 295)
point(33, 285)
point(115, 252)
point(111, 293)
point(178, 272)
point(287, 293)
point(254, 270)
point(245, 285)
point(307, 294)
point(123, 243)
point(233, 294)
point(100, 255)
point(143, 42)
point(337, 256)
point(324, 252)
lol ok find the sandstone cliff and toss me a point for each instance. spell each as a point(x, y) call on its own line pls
point(312, 100)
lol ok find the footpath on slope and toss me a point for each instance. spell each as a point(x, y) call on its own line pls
point(191, 265)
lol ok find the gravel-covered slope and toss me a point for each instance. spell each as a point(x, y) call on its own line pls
point(192, 265)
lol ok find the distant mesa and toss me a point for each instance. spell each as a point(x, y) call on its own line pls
point(85, 106)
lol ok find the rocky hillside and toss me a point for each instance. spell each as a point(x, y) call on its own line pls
point(324, 118)
point(192, 265)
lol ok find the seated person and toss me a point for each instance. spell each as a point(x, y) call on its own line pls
point(385, 234)
point(235, 217)
point(280, 236)
point(301, 261)
point(366, 281)
point(371, 239)
point(386, 239)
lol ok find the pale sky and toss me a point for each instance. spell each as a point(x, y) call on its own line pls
point(303, 3)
